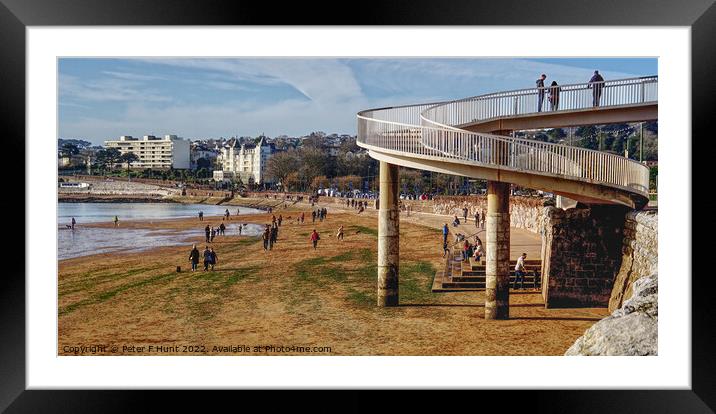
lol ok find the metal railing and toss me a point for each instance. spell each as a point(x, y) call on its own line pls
point(428, 130)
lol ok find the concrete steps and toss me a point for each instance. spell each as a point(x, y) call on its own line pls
point(464, 276)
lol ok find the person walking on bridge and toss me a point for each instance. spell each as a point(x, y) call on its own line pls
point(540, 92)
point(597, 84)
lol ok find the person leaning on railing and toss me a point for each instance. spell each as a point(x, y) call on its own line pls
point(554, 91)
point(597, 84)
point(540, 92)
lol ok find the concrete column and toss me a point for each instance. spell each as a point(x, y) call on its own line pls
point(388, 236)
point(497, 292)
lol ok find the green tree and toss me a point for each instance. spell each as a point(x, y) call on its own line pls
point(128, 158)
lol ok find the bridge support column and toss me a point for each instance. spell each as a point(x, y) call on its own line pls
point(497, 292)
point(388, 236)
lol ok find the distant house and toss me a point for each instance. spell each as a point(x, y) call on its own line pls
point(246, 161)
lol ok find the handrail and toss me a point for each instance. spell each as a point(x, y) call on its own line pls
point(429, 130)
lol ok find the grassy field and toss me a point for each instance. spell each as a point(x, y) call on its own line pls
point(323, 299)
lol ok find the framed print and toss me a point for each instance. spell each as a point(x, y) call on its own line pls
point(405, 202)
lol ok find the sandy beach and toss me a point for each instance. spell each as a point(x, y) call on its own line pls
point(293, 299)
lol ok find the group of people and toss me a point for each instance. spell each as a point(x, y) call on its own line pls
point(319, 214)
point(220, 230)
point(209, 255)
point(596, 84)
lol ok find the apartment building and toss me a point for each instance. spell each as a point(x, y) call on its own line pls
point(155, 152)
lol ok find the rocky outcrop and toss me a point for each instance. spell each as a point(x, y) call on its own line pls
point(630, 330)
point(639, 254)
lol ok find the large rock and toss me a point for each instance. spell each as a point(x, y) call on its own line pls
point(629, 330)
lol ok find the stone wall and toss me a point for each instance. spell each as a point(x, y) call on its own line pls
point(581, 255)
point(525, 212)
point(639, 254)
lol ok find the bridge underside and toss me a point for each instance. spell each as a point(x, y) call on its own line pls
point(561, 119)
point(585, 192)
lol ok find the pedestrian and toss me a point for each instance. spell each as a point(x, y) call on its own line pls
point(213, 258)
point(466, 250)
point(315, 238)
point(339, 236)
point(520, 271)
point(446, 231)
point(313, 216)
point(540, 92)
point(213, 233)
point(116, 221)
point(273, 236)
point(237, 211)
point(73, 223)
point(222, 229)
point(464, 214)
point(478, 252)
point(280, 219)
point(554, 91)
point(597, 84)
point(194, 257)
point(207, 258)
point(227, 214)
point(207, 230)
point(201, 216)
point(241, 226)
point(266, 237)
point(477, 218)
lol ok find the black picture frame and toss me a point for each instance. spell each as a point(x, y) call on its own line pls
point(16, 15)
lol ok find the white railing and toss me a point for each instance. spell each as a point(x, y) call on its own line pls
point(429, 130)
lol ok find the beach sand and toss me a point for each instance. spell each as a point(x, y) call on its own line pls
point(295, 296)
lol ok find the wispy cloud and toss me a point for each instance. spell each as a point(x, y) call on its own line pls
point(107, 89)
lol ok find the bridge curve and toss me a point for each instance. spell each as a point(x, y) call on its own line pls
point(450, 137)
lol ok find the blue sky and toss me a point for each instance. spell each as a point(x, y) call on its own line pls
point(103, 98)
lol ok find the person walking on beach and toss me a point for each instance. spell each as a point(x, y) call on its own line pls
point(266, 236)
point(241, 226)
point(274, 235)
point(116, 221)
point(279, 220)
point(201, 216)
point(213, 233)
point(339, 236)
point(313, 216)
point(207, 258)
point(222, 229)
point(540, 92)
point(73, 223)
point(226, 213)
point(237, 211)
point(212, 257)
point(520, 270)
point(207, 231)
point(315, 238)
point(194, 257)
point(597, 84)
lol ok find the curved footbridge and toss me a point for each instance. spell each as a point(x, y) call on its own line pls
point(471, 137)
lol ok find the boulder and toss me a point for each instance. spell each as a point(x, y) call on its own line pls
point(629, 330)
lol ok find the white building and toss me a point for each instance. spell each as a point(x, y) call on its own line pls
point(247, 162)
point(155, 152)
